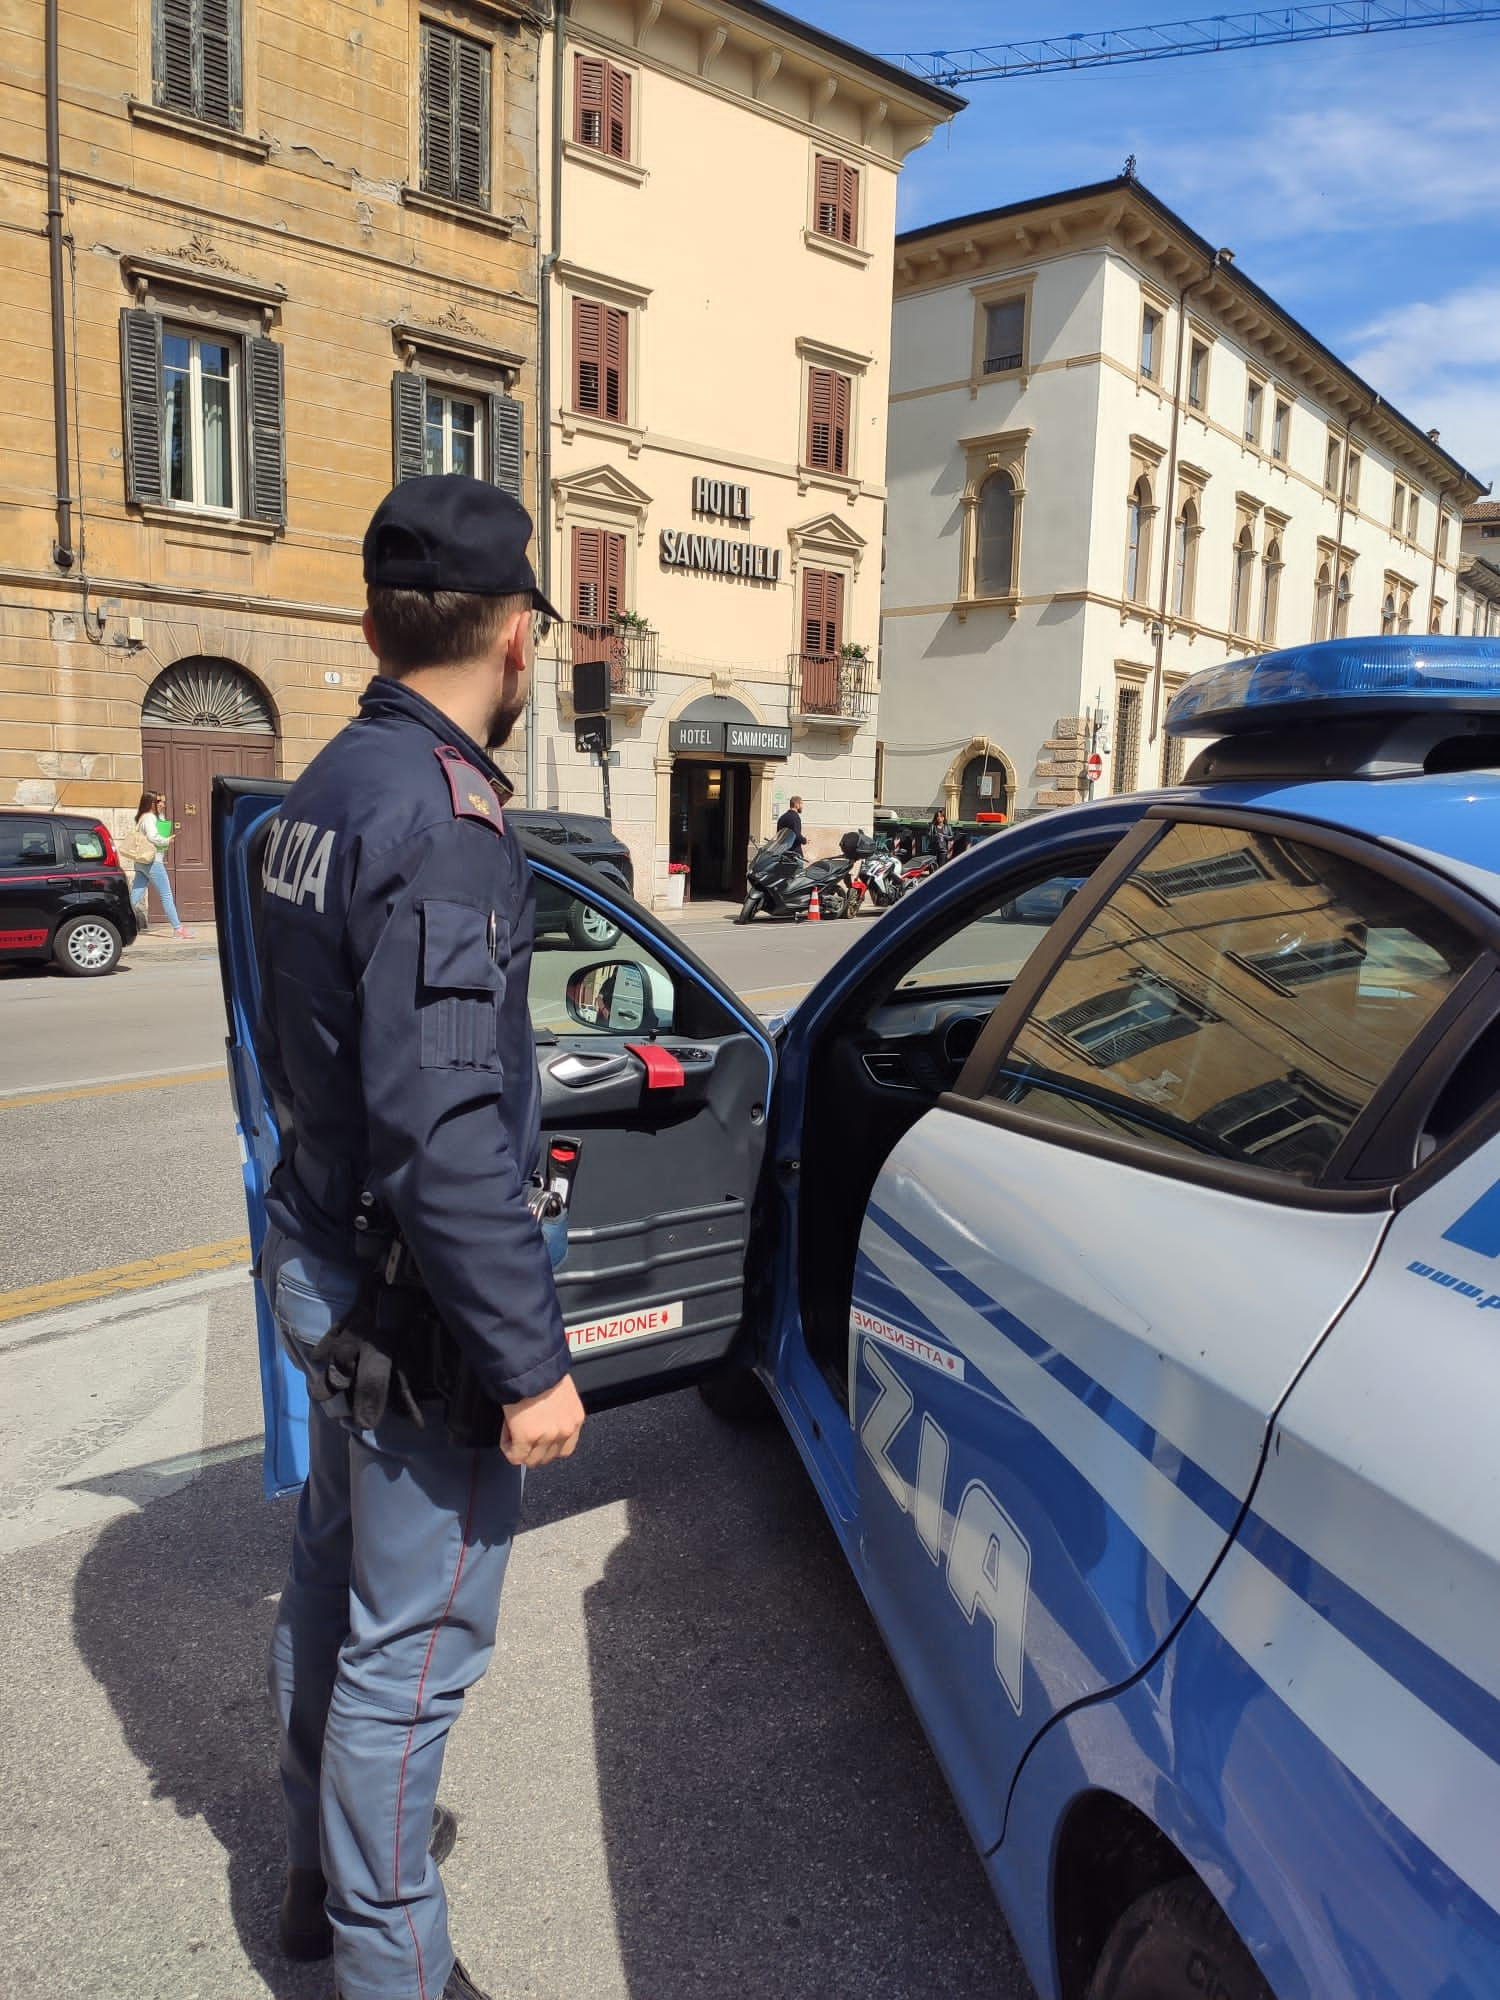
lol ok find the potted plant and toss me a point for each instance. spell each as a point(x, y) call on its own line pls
point(630, 621)
point(852, 651)
point(678, 873)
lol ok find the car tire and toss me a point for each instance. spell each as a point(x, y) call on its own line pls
point(736, 1395)
point(1175, 1943)
point(748, 909)
point(87, 947)
point(589, 928)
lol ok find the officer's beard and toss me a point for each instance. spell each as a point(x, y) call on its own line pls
point(502, 723)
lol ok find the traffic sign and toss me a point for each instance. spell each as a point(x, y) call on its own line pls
point(1094, 768)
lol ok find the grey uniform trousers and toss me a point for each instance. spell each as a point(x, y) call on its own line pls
point(388, 1616)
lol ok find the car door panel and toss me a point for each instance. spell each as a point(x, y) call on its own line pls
point(1077, 1399)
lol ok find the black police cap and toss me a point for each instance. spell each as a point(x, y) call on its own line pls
point(447, 531)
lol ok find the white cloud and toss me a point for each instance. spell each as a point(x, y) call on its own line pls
point(1438, 361)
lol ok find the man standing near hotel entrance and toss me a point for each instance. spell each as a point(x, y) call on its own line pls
point(408, 1276)
point(791, 822)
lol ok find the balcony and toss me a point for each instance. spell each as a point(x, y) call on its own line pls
point(630, 651)
point(830, 691)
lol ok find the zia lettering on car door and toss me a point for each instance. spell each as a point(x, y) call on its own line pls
point(1087, 1277)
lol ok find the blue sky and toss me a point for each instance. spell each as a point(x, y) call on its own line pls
point(1358, 181)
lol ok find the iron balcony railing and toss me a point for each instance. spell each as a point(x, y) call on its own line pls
point(629, 649)
point(831, 684)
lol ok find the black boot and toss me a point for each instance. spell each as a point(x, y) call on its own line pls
point(303, 1924)
point(461, 1987)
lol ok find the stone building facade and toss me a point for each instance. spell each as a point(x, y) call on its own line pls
point(718, 293)
point(296, 258)
point(1115, 460)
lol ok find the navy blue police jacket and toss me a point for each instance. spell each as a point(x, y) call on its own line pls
point(394, 1034)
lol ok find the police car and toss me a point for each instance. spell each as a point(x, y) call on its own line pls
point(1129, 1280)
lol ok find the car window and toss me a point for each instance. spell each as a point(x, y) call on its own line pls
point(87, 845)
point(572, 937)
point(1239, 996)
point(27, 843)
point(989, 949)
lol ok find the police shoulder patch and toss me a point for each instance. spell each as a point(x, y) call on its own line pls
point(473, 796)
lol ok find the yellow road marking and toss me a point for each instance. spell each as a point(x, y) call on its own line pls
point(125, 1277)
point(109, 1089)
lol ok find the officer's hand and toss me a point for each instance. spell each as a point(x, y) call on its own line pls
point(541, 1428)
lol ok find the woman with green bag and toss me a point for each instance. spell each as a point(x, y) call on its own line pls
point(151, 838)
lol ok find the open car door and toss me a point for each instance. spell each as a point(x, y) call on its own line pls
point(656, 1084)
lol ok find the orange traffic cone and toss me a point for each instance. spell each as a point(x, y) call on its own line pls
point(814, 909)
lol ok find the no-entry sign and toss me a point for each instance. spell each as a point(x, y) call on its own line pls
point(1094, 768)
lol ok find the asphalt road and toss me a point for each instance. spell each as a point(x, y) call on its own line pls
point(690, 1771)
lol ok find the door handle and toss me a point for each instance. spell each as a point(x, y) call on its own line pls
point(578, 1071)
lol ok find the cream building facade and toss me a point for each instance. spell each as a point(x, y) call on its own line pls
point(295, 257)
point(718, 278)
point(1115, 460)
point(1478, 596)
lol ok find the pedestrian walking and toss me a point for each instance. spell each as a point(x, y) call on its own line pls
point(791, 822)
point(149, 853)
point(407, 1272)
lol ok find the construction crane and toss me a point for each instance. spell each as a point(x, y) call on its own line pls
point(1194, 38)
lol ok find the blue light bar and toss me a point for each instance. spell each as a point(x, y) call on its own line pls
point(1340, 678)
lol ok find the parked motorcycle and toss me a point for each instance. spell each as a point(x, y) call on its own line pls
point(879, 878)
point(780, 882)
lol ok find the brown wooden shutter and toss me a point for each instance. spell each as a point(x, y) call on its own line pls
point(508, 446)
point(839, 455)
point(614, 576)
point(588, 99)
point(439, 85)
point(408, 423)
point(848, 204)
point(588, 576)
point(265, 430)
point(616, 364)
point(827, 195)
point(141, 380)
point(819, 416)
point(618, 141)
point(588, 355)
point(471, 128)
point(822, 612)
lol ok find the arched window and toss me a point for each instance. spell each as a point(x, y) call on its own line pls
point(995, 537)
point(1323, 603)
point(1403, 616)
point(1388, 613)
point(201, 693)
point(1138, 542)
point(1244, 571)
point(1270, 593)
point(1341, 615)
point(1185, 560)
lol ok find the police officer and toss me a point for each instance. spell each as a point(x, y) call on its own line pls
point(403, 1259)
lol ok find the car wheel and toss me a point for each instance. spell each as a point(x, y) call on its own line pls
point(1175, 1943)
point(748, 909)
point(591, 928)
point(87, 947)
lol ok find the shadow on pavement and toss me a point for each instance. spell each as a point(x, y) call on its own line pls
point(774, 1821)
point(171, 1614)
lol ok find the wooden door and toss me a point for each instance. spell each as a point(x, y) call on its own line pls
point(183, 763)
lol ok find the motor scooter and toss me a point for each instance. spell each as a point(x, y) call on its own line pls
point(780, 883)
point(879, 878)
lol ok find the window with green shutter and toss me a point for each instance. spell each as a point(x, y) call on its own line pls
point(437, 429)
point(204, 418)
point(455, 116)
point(196, 58)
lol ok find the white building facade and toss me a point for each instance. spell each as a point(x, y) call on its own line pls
point(721, 228)
point(1113, 460)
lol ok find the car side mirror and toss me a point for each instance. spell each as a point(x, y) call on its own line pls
point(617, 996)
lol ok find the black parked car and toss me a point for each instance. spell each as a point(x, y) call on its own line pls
point(589, 840)
point(63, 893)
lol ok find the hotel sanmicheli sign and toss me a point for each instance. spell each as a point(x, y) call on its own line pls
point(718, 555)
